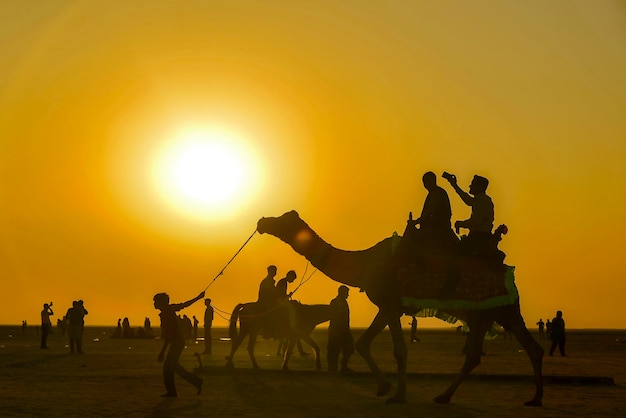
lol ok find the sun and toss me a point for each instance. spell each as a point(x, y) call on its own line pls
point(207, 173)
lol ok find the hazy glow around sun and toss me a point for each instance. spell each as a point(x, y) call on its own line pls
point(207, 173)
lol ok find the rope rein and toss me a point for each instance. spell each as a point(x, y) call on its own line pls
point(230, 261)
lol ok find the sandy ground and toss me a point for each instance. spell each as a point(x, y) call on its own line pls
point(118, 377)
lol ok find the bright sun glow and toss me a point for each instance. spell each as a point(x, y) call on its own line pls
point(207, 173)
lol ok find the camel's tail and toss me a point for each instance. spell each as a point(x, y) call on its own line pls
point(232, 328)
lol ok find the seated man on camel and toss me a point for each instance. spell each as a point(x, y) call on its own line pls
point(480, 242)
point(435, 232)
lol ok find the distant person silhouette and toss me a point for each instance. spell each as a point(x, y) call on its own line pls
point(209, 313)
point(147, 328)
point(414, 338)
point(558, 334)
point(46, 325)
point(127, 331)
point(118, 329)
point(541, 325)
point(76, 324)
point(480, 222)
point(340, 338)
point(24, 326)
point(195, 328)
point(173, 338)
point(548, 329)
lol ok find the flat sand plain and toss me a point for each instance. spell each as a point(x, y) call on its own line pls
point(121, 377)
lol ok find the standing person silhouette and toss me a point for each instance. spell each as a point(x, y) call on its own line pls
point(558, 334)
point(548, 329)
point(76, 325)
point(208, 323)
point(340, 338)
point(541, 325)
point(46, 325)
point(173, 338)
point(195, 328)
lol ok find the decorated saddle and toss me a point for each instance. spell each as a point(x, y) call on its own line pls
point(478, 284)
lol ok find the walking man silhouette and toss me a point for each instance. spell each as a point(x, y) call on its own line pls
point(173, 338)
point(558, 334)
point(340, 338)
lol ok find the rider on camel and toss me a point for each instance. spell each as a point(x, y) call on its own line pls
point(435, 232)
point(480, 223)
point(282, 297)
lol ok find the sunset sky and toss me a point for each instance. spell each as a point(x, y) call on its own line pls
point(332, 108)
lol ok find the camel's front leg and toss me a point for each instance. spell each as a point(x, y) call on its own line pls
point(400, 353)
point(363, 347)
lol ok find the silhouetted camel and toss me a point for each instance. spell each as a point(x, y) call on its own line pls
point(251, 316)
point(372, 270)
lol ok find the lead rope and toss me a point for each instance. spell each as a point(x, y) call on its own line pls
point(230, 261)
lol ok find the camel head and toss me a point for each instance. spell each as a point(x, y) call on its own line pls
point(291, 229)
point(285, 227)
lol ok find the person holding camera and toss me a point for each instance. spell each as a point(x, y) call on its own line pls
point(480, 222)
point(46, 325)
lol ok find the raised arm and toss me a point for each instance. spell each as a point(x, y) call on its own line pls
point(467, 199)
point(190, 302)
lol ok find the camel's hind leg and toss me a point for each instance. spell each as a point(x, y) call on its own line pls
point(511, 319)
point(363, 347)
point(478, 325)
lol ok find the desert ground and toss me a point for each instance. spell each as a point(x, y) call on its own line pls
point(121, 377)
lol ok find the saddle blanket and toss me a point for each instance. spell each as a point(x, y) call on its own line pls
point(478, 286)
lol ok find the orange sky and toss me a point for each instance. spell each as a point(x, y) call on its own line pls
point(345, 105)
